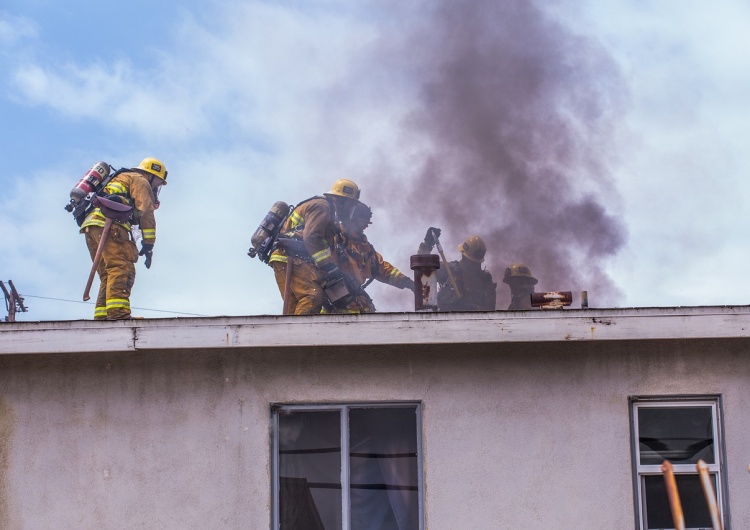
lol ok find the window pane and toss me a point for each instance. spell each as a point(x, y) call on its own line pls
point(384, 489)
point(682, 435)
point(310, 470)
point(694, 508)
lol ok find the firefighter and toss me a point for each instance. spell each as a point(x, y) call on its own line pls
point(521, 282)
point(476, 290)
point(138, 187)
point(356, 256)
point(307, 236)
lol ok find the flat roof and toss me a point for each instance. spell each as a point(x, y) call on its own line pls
point(77, 336)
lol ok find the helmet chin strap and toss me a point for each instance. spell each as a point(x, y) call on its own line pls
point(155, 191)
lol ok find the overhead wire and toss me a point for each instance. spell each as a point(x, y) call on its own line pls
point(133, 307)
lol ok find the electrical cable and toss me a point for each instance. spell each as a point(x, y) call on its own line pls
point(132, 307)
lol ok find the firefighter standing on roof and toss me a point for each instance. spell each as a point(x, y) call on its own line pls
point(521, 282)
point(138, 187)
point(356, 256)
point(312, 226)
point(477, 291)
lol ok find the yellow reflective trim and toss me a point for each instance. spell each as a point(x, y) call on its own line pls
point(281, 258)
point(341, 312)
point(96, 218)
point(295, 219)
point(116, 187)
point(118, 303)
point(100, 311)
point(321, 255)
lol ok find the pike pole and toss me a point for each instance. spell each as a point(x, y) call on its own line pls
point(112, 211)
point(447, 267)
point(97, 258)
point(288, 282)
point(708, 493)
point(674, 496)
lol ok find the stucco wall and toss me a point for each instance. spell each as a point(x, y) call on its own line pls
point(516, 435)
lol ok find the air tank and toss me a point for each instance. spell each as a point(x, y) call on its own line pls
point(89, 182)
point(268, 228)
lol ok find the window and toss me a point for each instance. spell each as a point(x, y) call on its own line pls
point(347, 467)
point(683, 431)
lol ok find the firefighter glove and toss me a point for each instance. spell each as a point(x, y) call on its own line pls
point(429, 237)
point(147, 250)
point(409, 284)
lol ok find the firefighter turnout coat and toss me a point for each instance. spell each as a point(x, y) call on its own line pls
point(312, 222)
point(356, 256)
point(117, 266)
point(478, 291)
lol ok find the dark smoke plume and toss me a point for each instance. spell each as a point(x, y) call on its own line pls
point(516, 116)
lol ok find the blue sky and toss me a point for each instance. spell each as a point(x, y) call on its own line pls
point(252, 102)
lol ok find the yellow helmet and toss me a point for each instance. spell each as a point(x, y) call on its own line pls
point(473, 248)
point(155, 167)
point(345, 188)
point(518, 270)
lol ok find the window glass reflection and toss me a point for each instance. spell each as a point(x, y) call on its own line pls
point(682, 435)
point(384, 483)
point(310, 470)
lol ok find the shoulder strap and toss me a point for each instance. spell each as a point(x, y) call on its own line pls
point(307, 200)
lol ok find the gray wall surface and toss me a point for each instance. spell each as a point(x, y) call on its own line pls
point(515, 435)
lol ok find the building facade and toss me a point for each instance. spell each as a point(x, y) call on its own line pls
point(528, 419)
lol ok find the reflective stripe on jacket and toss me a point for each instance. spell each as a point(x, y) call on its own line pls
point(137, 189)
point(312, 221)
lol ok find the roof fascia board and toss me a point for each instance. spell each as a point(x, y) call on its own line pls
point(374, 329)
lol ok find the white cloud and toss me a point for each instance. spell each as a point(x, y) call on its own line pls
point(259, 70)
point(261, 102)
point(15, 29)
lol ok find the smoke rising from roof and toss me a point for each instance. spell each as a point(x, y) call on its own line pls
point(515, 118)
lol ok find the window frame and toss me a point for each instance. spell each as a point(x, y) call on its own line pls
point(343, 408)
point(717, 469)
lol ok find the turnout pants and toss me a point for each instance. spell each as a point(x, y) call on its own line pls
point(306, 292)
point(116, 271)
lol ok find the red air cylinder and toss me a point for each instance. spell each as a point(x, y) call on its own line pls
point(89, 182)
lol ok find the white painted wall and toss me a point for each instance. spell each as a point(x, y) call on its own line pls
point(516, 434)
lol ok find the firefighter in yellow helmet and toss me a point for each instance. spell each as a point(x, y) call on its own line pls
point(138, 187)
point(356, 256)
point(305, 241)
point(521, 282)
point(476, 290)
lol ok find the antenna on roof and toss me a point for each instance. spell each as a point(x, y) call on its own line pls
point(13, 301)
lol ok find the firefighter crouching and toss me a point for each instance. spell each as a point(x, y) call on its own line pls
point(305, 238)
point(521, 282)
point(138, 187)
point(357, 258)
point(476, 290)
